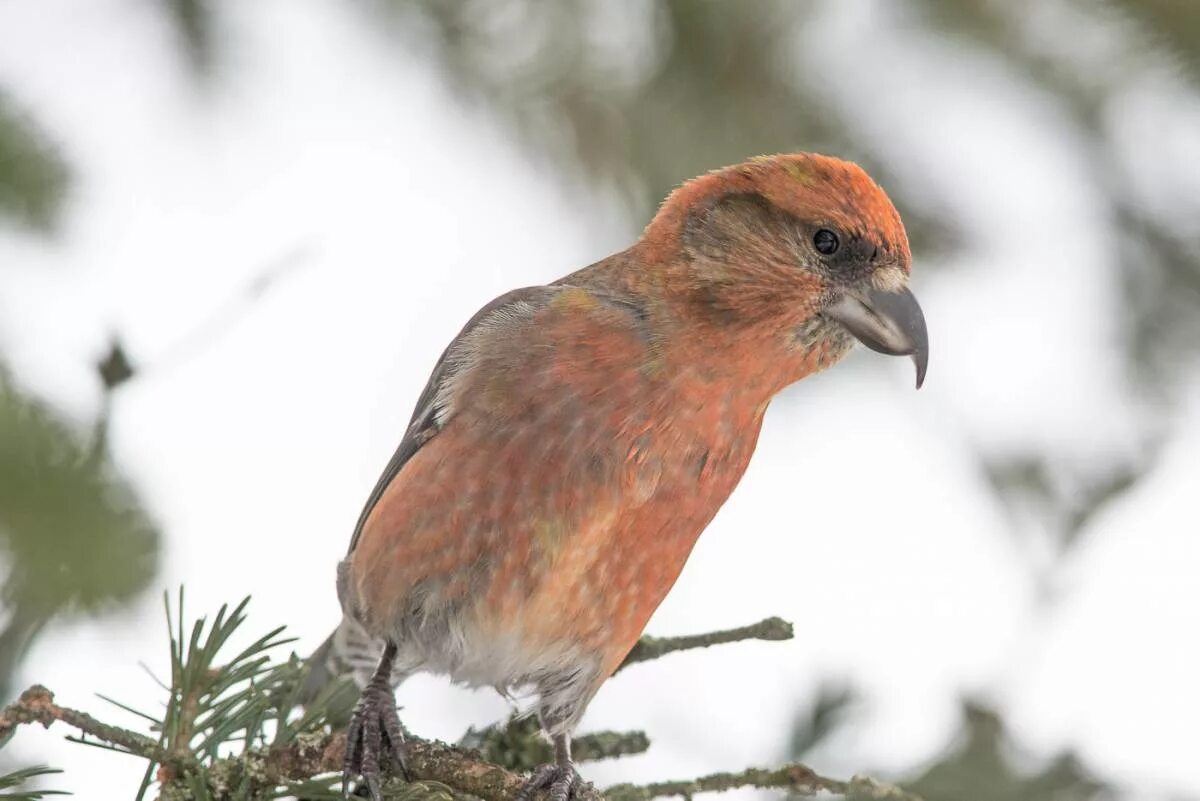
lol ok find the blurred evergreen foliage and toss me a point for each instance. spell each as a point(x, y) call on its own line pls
point(1159, 250)
point(74, 539)
point(33, 177)
point(73, 536)
point(984, 766)
point(193, 21)
point(672, 89)
point(983, 763)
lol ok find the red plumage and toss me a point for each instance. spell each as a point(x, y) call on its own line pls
point(575, 439)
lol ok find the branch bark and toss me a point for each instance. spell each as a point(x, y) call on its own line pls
point(519, 745)
point(36, 705)
point(799, 779)
point(773, 628)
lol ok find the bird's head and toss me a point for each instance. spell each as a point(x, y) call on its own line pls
point(788, 259)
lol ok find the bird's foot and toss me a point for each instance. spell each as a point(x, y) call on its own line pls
point(560, 780)
point(374, 732)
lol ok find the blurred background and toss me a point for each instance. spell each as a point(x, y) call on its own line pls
point(234, 238)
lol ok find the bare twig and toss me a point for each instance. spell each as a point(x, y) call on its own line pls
point(608, 745)
point(773, 628)
point(519, 745)
point(799, 779)
point(229, 312)
point(36, 705)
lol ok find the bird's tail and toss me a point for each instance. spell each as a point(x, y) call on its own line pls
point(349, 652)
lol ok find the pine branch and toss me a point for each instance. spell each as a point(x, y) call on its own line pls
point(798, 779)
point(773, 628)
point(14, 780)
point(310, 757)
point(465, 772)
point(36, 705)
point(231, 729)
point(518, 744)
point(607, 745)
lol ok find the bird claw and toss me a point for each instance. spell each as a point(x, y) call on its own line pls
point(374, 731)
point(559, 780)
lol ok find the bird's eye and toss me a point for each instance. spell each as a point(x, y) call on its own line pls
point(826, 242)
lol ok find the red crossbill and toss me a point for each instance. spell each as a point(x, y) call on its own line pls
point(575, 439)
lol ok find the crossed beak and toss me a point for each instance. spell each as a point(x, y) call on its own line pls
point(887, 322)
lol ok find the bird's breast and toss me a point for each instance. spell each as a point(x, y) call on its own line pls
point(595, 553)
point(545, 525)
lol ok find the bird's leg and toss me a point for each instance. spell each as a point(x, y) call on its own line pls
point(374, 730)
point(559, 779)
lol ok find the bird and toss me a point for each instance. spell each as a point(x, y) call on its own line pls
point(575, 439)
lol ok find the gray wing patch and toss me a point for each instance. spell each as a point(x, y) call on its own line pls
point(432, 411)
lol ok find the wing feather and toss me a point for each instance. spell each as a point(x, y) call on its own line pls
point(432, 411)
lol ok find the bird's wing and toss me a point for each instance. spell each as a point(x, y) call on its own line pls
point(434, 408)
point(535, 459)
